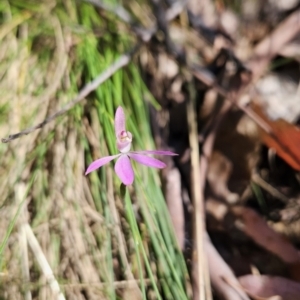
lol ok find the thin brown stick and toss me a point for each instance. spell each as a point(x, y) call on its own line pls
point(269, 188)
point(122, 61)
point(198, 256)
point(123, 284)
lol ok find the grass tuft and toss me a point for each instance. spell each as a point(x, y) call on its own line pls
point(97, 243)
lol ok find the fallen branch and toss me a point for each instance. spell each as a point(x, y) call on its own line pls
point(122, 61)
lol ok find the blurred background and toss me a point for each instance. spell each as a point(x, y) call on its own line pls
point(216, 82)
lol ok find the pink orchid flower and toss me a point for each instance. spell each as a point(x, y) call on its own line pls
point(123, 166)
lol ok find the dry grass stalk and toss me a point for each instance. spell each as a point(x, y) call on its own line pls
point(201, 284)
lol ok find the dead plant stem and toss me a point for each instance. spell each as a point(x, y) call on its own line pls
point(43, 263)
point(201, 283)
point(19, 194)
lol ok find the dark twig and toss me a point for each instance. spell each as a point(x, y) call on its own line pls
point(208, 78)
point(118, 64)
point(162, 24)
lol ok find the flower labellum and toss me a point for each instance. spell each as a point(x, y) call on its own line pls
point(123, 166)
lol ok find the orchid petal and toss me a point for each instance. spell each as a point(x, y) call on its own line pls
point(157, 152)
point(99, 163)
point(119, 121)
point(124, 169)
point(146, 160)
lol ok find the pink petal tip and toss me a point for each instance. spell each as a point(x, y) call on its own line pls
point(147, 160)
point(99, 163)
point(119, 121)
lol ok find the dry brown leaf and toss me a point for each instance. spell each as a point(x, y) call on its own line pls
point(252, 295)
point(256, 227)
point(269, 286)
point(285, 139)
